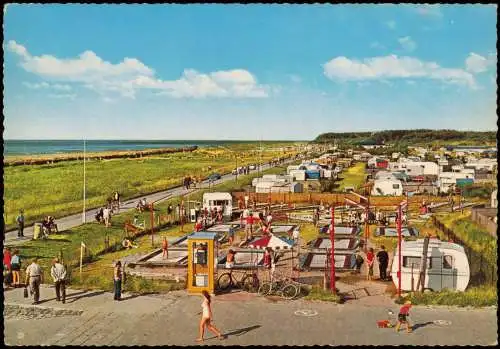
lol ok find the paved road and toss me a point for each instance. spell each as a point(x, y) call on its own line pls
point(72, 221)
point(172, 319)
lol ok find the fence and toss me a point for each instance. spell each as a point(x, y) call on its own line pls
point(333, 198)
point(481, 271)
point(483, 216)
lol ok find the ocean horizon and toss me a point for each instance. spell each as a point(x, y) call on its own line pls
point(55, 146)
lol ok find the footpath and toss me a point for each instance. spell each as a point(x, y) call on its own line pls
point(93, 318)
point(75, 220)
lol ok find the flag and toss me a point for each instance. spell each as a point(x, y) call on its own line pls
point(83, 245)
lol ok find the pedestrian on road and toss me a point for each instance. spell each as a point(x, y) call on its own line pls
point(370, 258)
point(359, 262)
point(383, 262)
point(15, 265)
point(20, 224)
point(404, 312)
point(106, 214)
point(117, 281)
point(7, 272)
point(170, 209)
point(206, 318)
point(164, 247)
point(231, 236)
point(34, 277)
point(58, 273)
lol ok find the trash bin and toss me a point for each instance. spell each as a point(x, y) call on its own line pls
point(37, 229)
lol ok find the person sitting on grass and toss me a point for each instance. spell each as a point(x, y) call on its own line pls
point(46, 227)
point(99, 217)
point(52, 224)
point(128, 244)
point(404, 312)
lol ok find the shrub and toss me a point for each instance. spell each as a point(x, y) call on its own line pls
point(474, 297)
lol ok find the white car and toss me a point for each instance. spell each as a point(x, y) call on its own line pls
point(252, 167)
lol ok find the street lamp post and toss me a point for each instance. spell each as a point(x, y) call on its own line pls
point(332, 254)
point(84, 180)
point(399, 245)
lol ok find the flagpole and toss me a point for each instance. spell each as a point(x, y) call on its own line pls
point(84, 175)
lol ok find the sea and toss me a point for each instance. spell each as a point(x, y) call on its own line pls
point(29, 147)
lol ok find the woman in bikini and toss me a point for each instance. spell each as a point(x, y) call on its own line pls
point(206, 318)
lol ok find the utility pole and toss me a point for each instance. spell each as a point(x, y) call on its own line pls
point(332, 254)
point(84, 180)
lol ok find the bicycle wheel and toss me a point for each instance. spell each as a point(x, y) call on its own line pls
point(250, 283)
point(290, 291)
point(224, 281)
point(264, 289)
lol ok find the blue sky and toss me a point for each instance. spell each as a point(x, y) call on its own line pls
point(246, 71)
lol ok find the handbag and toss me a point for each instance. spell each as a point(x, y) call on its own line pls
point(25, 292)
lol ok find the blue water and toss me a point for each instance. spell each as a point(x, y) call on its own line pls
point(28, 147)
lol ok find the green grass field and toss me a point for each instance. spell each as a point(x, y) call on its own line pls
point(57, 189)
point(354, 176)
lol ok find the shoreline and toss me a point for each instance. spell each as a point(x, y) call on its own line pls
point(41, 159)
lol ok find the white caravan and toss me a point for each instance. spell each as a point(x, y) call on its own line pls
point(387, 186)
point(220, 200)
point(447, 265)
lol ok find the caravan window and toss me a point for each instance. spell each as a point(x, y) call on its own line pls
point(408, 261)
point(447, 262)
point(395, 186)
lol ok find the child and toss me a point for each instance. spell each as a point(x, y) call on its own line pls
point(164, 247)
point(370, 258)
point(402, 317)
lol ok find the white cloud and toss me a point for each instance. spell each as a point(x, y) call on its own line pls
point(407, 43)
point(43, 85)
point(70, 96)
point(430, 11)
point(377, 45)
point(391, 24)
point(394, 67)
point(131, 75)
point(477, 64)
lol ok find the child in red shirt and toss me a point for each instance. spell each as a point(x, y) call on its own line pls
point(404, 311)
point(164, 247)
point(370, 258)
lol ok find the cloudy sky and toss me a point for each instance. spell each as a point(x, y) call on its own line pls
point(246, 72)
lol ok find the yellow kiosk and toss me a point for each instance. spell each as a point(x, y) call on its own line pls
point(202, 263)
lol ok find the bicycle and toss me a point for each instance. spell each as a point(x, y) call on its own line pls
point(248, 282)
point(287, 289)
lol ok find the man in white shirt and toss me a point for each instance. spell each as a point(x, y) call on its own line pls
point(34, 277)
point(106, 215)
point(295, 236)
point(58, 273)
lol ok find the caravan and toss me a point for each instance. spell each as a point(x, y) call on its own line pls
point(220, 200)
point(447, 265)
point(387, 186)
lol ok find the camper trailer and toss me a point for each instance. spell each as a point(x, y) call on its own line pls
point(447, 265)
point(219, 200)
point(387, 187)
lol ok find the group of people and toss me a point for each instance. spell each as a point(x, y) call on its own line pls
point(11, 267)
point(49, 225)
point(103, 215)
point(188, 181)
point(142, 205)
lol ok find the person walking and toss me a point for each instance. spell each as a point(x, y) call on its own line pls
point(206, 318)
point(170, 209)
point(7, 258)
point(58, 273)
point(164, 247)
point(106, 214)
point(15, 266)
point(404, 312)
point(117, 281)
point(383, 262)
point(370, 259)
point(34, 277)
point(20, 224)
point(359, 262)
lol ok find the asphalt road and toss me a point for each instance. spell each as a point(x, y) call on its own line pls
point(75, 220)
point(246, 319)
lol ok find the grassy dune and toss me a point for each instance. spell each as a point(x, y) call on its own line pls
point(57, 189)
point(354, 176)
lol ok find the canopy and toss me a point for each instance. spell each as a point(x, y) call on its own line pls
point(273, 242)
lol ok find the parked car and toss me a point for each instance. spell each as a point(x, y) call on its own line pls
point(214, 176)
point(252, 166)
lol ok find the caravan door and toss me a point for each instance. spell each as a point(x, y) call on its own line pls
point(449, 272)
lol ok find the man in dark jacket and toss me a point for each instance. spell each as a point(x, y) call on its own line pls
point(383, 262)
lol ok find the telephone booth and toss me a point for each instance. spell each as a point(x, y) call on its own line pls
point(202, 263)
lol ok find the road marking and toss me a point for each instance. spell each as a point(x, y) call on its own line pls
point(306, 312)
point(442, 322)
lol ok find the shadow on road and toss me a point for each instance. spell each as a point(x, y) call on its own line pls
point(242, 331)
point(84, 295)
point(417, 326)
